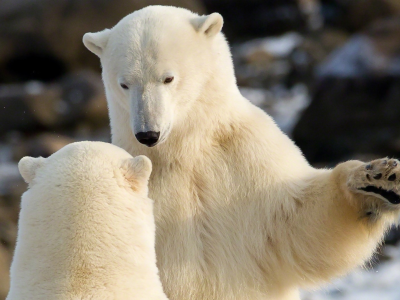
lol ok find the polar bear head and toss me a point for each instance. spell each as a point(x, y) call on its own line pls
point(157, 62)
point(84, 164)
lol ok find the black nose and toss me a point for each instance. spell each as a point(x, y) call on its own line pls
point(148, 138)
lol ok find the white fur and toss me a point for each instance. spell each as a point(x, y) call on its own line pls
point(86, 227)
point(240, 213)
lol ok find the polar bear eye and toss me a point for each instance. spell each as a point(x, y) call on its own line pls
point(124, 86)
point(169, 79)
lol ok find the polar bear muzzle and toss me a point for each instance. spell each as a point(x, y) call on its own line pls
point(148, 138)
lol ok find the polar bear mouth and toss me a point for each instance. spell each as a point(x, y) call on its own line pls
point(391, 196)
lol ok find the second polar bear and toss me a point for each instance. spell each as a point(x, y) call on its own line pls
point(240, 213)
point(86, 227)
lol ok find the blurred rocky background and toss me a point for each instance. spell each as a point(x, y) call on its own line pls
point(328, 71)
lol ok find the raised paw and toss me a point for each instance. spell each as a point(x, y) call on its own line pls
point(379, 178)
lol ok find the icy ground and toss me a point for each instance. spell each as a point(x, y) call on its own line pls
point(380, 283)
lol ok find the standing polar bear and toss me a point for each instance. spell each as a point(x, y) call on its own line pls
point(239, 212)
point(86, 227)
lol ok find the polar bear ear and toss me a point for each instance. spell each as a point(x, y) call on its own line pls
point(97, 41)
point(28, 166)
point(209, 25)
point(137, 171)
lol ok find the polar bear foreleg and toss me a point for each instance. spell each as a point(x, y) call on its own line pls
point(344, 214)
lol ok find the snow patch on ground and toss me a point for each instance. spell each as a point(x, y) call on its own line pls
point(380, 283)
point(283, 104)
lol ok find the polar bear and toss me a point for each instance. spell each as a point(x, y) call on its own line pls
point(86, 227)
point(240, 214)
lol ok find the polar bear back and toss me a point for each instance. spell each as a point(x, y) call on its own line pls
point(86, 227)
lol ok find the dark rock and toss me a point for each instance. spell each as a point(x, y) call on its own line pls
point(83, 99)
point(42, 39)
point(11, 188)
point(5, 262)
point(36, 106)
point(356, 15)
point(361, 13)
point(265, 61)
point(393, 236)
point(275, 17)
point(349, 115)
point(44, 144)
point(355, 107)
point(289, 58)
point(244, 19)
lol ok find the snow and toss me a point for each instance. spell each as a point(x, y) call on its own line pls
point(280, 46)
point(283, 45)
point(380, 283)
point(357, 58)
point(283, 104)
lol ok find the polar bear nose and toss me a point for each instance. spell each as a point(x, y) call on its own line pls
point(148, 138)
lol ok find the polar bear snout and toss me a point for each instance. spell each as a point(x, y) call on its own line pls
point(148, 138)
point(150, 116)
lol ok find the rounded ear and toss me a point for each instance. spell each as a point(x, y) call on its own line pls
point(97, 41)
point(137, 171)
point(209, 25)
point(28, 166)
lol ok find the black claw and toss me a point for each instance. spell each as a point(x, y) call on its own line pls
point(378, 176)
point(391, 196)
point(392, 177)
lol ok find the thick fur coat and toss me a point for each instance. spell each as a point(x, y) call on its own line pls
point(86, 227)
point(240, 214)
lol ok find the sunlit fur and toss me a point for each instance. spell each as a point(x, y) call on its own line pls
point(240, 214)
point(86, 227)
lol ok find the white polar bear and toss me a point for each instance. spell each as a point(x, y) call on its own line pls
point(86, 227)
point(240, 214)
